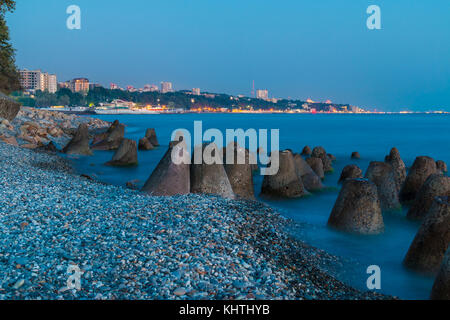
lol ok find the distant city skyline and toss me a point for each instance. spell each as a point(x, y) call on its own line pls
point(322, 51)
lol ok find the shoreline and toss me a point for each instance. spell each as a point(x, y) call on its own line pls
point(132, 246)
point(90, 114)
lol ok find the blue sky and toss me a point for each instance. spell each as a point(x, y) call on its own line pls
point(319, 49)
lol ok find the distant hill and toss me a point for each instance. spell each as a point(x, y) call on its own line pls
point(179, 99)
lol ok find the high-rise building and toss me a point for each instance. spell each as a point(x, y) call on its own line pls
point(33, 80)
point(30, 79)
point(166, 87)
point(48, 82)
point(262, 94)
point(52, 84)
point(79, 85)
point(196, 91)
point(64, 85)
point(150, 88)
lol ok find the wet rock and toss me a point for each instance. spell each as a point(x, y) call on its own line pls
point(55, 132)
point(431, 242)
point(310, 179)
point(436, 185)
point(9, 140)
point(421, 169)
point(171, 177)
point(351, 171)
point(240, 175)
point(306, 151)
point(398, 165)
point(145, 144)
point(319, 152)
point(442, 166)
point(126, 154)
point(355, 155)
point(332, 157)
point(316, 165)
point(210, 178)
point(31, 146)
point(180, 292)
point(18, 284)
point(382, 174)
point(441, 286)
point(357, 208)
point(50, 147)
point(286, 183)
point(8, 107)
point(150, 134)
point(80, 142)
point(111, 139)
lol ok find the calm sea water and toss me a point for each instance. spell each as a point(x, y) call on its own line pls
point(371, 135)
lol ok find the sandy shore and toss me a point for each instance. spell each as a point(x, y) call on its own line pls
point(131, 246)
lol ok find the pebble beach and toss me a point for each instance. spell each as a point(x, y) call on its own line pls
point(127, 245)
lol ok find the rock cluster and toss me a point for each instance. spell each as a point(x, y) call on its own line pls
point(149, 141)
point(125, 155)
point(357, 208)
point(383, 176)
point(306, 151)
point(111, 139)
point(421, 169)
point(432, 240)
point(8, 107)
point(80, 142)
point(145, 144)
point(35, 128)
point(172, 174)
point(210, 178)
point(306, 174)
point(351, 171)
point(441, 286)
point(286, 183)
point(398, 165)
point(50, 147)
point(442, 166)
point(316, 165)
point(150, 135)
point(240, 175)
point(355, 155)
point(436, 185)
point(319, 152)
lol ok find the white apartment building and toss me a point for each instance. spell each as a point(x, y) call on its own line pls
point(150, 88)
point(262, 94)
point(196, 91)
point(33, 80)
point(166, 87)
point(48, 82)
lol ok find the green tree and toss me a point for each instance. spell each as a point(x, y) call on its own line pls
point(64, 100)
point(7, 5)
point(9, 76)
point(45, 99)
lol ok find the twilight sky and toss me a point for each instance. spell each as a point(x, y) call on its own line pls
point(319, 49)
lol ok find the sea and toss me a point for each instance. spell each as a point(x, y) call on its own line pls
point(372, 135)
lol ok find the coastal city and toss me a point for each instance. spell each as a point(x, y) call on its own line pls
point(41, 89)
point(37, 85)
